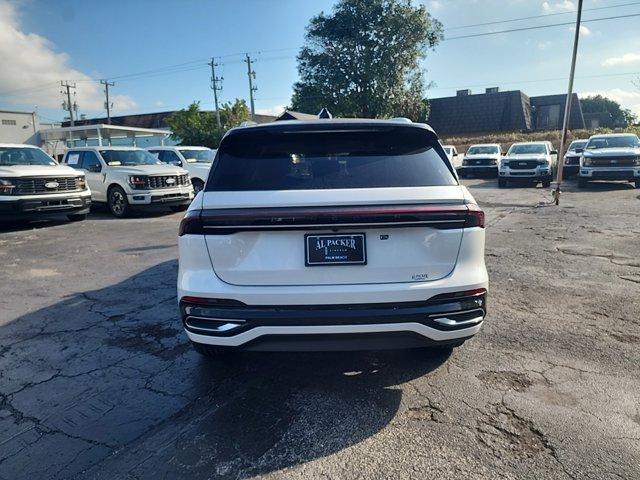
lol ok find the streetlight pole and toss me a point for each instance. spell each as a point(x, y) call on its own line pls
point(567, 106)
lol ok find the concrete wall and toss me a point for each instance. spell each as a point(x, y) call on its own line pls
point(19, 127)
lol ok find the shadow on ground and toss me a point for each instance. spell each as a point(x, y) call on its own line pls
point(104, 384)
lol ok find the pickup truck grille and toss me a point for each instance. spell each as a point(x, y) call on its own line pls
point(480, 161)
point(523, 164)
point(613, 162)
point(38, 185)
point(167, 181)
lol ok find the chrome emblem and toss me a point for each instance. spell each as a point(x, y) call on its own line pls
point(51, 185)
point(522, 163)
point(170, 181)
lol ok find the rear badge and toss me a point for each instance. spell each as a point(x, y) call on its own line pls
point(419, 277)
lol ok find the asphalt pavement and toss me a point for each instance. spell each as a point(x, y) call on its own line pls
point(98, 381)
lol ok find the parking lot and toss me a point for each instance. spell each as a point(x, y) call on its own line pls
point(97, 379)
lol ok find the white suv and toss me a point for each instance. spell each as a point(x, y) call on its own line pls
point(528, 161)
point(129, 177)
point(32, 184)
point(196, 160)
point(331, 234)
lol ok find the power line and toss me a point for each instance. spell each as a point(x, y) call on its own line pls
point(521, 29)
point(532, 17)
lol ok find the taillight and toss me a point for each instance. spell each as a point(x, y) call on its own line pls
point(475, 217)
point(231, 220)
point(191, 223)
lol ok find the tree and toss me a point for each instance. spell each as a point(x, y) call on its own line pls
point(598, 104)
point(192, 126)
point(363, 60)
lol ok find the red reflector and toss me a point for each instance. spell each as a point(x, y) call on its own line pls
point(475, 217)
point(466, 293)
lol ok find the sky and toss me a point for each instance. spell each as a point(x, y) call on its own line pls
point(156, 51)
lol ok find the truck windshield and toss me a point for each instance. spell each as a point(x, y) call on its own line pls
point(12, 156)
point(528, 148)
point(329, 159)
point(117, 158)
point(199, 156)
point(577, 144)
point(483, 150)
point(623, 141)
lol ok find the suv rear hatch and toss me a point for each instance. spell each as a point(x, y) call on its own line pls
point(333, 203)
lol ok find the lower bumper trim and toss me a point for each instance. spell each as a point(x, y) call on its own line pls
point(299, 335)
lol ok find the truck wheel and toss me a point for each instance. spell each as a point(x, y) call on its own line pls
point(178, 208)
point(546, 183)
point(502, 183)
point(197, 184)
point(582, 182)
point(77, 217)
point(118, 203)
point(637, 183)
point(209, 350)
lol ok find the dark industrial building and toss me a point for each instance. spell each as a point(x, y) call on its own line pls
point(495, 111)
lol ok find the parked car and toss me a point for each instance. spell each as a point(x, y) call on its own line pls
point(331, 234)
point(481, 159)
point(610, 157)
point(129, 177)
point(572, 158)
point(32, 184)
point(530, 162)
point(196, 160)
point(452, 154)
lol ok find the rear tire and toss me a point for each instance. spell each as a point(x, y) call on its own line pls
point(582, 182)
point(502, 183)
point(77, 217)
point(118, 203)
point(178, 208)
point(637, 183)
point(209, 351)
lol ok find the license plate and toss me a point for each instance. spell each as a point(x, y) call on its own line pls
point(345, 249)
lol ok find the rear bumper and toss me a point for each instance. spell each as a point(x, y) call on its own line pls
point(42, 206)
point(334, 327)
point(604, 173)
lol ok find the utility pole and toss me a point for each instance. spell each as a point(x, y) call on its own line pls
point(252, 76)
point(216, 89)
point(567, 106)
point(67, 105)
point(107, 105)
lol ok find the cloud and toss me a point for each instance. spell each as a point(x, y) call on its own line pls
point(32, 70)
point(625, 59)
point(276, 110)
point(435, 4)
point(544, 45)
point(627, 98)
point(559, 6)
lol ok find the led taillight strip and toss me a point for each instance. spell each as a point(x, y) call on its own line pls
point(231, 220)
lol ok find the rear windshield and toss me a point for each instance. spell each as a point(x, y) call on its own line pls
point(308, 160)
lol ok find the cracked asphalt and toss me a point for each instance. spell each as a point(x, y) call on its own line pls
point(97, 380)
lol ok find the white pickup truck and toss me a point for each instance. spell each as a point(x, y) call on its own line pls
point(32, 184)
point(196, 160)
point(130, 177)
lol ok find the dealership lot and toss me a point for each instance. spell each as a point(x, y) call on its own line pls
point(97, 379)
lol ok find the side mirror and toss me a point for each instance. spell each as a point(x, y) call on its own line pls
point(455, 154)
point(554, 152)
point(579, 150)
point(177, 163)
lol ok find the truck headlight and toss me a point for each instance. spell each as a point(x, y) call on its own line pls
point(504, 163)
point(81, 183)
point(137, 181)
point(586, 161)
point(637, 162)
point(6, 186)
